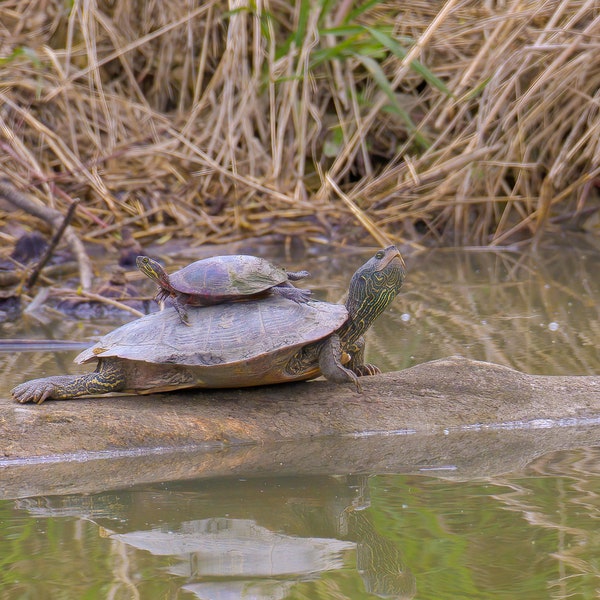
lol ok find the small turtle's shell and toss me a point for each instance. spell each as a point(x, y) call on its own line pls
point(225, 345)
point(227, 277)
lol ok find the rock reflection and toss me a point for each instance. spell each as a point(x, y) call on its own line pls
point(264, 538)
point(529, 533)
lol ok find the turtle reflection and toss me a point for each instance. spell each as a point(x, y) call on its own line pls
point(263, 538)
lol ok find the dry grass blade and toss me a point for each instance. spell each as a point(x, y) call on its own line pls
point(453, 121)
point(381, 238)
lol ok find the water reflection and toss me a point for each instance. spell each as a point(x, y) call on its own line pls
point(247, 559)
point(536, 312)
point(528, 534)
point(230, 539)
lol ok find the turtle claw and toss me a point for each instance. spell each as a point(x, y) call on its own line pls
point(35, 391)
point(302, 296)
point(357, 384)
point(366, 370)
point(363, 371)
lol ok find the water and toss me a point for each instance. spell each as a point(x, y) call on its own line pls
point(476, 514)
point(531, 534)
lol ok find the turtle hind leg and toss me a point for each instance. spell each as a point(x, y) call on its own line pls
point(287, 290)
point(107, 378)
point(330, 363)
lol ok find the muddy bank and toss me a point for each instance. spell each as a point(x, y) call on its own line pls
point(452, 418)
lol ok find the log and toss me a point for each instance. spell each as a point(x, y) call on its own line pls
point(428, 416)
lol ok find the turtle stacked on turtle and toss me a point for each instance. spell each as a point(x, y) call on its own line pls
point(261, 340)
point(222, 279)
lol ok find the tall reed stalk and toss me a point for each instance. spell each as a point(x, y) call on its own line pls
point(452, 121)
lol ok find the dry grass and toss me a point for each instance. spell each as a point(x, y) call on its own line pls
point(220, 120)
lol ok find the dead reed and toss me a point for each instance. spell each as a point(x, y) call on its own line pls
point(457, 121)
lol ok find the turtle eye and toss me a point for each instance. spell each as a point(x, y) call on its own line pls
point(380, 255)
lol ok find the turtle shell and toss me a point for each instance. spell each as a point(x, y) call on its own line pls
point(227, 277)
point(225, 345)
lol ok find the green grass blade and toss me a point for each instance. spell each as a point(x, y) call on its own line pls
point(478, 89)
point(384, 85)
point(359, 10)
point(397, 50)
point(340, 51)
point(20, 51)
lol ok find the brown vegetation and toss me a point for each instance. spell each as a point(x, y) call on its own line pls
point(456, 121)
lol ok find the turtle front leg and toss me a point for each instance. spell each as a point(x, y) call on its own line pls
point(330, 363)
point(181, 309)
point(177, 302)
point(62, 387)
point(357, 360)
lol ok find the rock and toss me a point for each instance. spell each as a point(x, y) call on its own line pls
point(432, 415)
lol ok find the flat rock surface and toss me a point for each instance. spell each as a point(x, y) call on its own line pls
point(301, 427)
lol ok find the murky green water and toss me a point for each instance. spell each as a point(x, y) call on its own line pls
point(476, 515)
point(531, 534)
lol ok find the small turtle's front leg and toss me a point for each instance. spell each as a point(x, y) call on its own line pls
point(330, 363)
point(182, 312)
point(163, 297)
point(108, 378)
point(181, 309)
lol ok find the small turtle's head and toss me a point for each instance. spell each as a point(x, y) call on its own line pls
point(374, 286)
point(152, 269)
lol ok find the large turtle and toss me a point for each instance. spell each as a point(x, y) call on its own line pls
point(222, 279)
point(237, 344)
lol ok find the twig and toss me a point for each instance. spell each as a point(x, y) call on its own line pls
point(30, 345)
point(52, 245)
point(55, 219)
point(99, 298)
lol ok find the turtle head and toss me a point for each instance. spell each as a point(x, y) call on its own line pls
point(154, 270)
point(374, 286)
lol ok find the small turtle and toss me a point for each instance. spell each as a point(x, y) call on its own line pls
point(236, 344)
point(222, 279)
